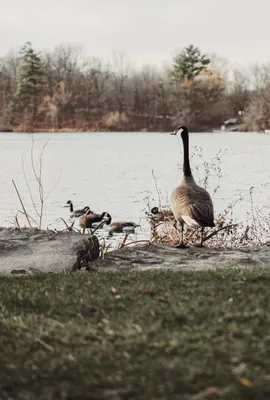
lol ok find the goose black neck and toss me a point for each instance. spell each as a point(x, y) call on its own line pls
point(71, 207)
point(186, 165)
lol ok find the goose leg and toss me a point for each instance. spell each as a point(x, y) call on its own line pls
point(202, 237)
point(181, 245)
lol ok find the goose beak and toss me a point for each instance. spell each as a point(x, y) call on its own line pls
point(177, 132)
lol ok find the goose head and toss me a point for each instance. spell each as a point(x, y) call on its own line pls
point(180, 131)
point(154, 210)
point(106, 216)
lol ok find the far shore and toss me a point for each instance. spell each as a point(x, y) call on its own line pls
point(74, 130)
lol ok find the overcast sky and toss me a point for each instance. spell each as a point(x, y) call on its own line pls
point(149, 31)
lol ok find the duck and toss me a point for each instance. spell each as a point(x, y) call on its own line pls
point(122, 226)
point(191, 204)
point(163, 215)
point(77, 213)
point(90, 218)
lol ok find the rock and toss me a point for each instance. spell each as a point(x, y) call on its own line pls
point(158, 256)
point(18, 271)
point(32, 251)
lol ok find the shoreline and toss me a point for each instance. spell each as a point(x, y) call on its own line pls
point(29, 252)
point(81, 130)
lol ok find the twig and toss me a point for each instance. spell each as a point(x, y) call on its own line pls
point(68, 228)
point(124, 241)
point(17, 223)
point(37, 171)
point(218, 230)
point(21, 212)
point(18, 194)
point(28, 187)
point(48, 194)
point(64, 221)
point(107, 249)
point(99, 226)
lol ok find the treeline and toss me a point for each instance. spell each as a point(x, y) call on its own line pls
point(63, 90)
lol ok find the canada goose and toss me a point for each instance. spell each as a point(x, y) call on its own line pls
point(77, 213)
point(122, 226)
point(191, 204)
point(88, 220)
point(163, 215)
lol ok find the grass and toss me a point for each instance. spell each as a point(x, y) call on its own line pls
point(136, 335)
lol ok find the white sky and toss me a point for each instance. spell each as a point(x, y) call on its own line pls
point(149, 31)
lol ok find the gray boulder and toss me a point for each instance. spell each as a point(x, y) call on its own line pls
point(35, 251)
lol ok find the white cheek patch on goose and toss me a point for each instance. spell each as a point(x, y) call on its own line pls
point(189, 221)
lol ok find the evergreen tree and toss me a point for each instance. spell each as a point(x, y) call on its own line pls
point(188, 64)
point(30, 80)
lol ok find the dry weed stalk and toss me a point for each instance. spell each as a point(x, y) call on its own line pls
point(37, 171)
point(22, 204)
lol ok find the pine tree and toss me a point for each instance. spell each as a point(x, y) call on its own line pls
point(30, 80)
point(188, 64)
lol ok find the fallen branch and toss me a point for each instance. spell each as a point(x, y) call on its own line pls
point(138, 241)
point(218, 230)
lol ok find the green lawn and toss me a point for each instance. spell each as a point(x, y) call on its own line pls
point(136, 335)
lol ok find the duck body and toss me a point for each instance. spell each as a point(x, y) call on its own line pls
point(191, 204)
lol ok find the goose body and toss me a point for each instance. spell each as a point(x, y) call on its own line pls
point(88, 220)
point(77, 213)
point(191, 204)
point(122, 226)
